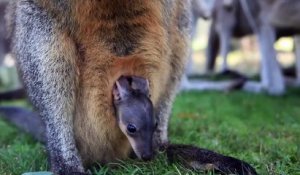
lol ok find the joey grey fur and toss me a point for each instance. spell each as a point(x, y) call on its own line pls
point(134, 111)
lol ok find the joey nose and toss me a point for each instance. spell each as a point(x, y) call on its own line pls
point(147, 156)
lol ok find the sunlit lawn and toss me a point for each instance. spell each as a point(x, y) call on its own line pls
point(262, 130)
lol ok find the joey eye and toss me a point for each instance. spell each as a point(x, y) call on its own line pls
point(131, 128)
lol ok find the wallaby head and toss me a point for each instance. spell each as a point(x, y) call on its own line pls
point(134, 111)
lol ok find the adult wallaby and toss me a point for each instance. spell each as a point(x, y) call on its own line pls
point(71, 52)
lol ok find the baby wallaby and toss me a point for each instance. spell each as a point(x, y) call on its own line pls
point(134, 111)
point(135, 116)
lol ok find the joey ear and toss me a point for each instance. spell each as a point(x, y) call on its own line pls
point(140, 84)
point(121, 89)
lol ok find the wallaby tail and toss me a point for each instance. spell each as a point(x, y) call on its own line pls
point(206, 160)
point(25, 120)
point(13, 95)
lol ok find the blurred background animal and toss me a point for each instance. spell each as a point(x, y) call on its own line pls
point(4, 40)
point(238, 18)
point(203, 9)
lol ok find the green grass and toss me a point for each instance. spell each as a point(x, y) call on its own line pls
point(262, 130)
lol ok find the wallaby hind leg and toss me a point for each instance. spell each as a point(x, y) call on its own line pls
point(47, 60)
point(271, 75)
point(294, 79)
point(212, 49)
point(272, 80)
point(297, 43)
point(225, 36)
